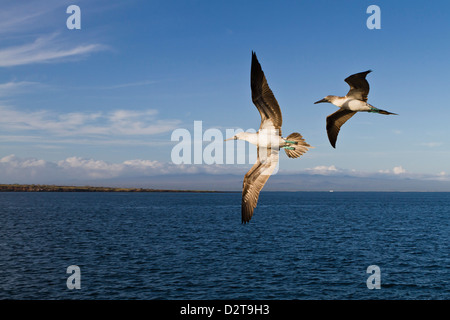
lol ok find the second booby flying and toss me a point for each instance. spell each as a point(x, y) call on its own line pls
point(354, 101)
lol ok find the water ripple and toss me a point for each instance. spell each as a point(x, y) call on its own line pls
point(192, 246)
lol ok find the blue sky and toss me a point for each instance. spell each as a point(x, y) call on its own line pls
point(103, 101)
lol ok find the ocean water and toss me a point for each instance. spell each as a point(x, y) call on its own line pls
point(305, 245)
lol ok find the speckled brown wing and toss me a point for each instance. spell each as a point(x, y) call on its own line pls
point(255, 179)
point(263, 98)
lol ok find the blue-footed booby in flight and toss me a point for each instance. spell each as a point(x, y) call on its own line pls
point(268, 140)
point(354, 101)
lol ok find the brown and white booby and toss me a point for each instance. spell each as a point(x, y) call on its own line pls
point(354, 101)
point(268, 140)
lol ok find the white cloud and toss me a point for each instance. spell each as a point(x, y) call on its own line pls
point(113, 124)
point(12, 168)
point(44, 49)
point(442, 176)
point(32, 32)
point(432, 144)
point(129, 84)
point(19, 170)
point(25, 15)
point(15, 87)
point(396, 171)
point(324, 170)
point(146, 172)
point(15, 162)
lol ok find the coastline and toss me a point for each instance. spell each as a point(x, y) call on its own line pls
point(56, 188)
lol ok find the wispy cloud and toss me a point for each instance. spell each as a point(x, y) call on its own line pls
point(130, 84)
point(78, 124)
point(16, 87)
point(32, 33)
point(432, 144)
point(20, 16)
point(43, 50)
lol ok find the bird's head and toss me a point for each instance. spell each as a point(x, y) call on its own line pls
point(326, 99)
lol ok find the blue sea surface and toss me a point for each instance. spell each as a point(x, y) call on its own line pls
point(299, 245)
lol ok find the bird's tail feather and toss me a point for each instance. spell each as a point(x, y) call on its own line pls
point(376, 110)
point(385, 112)
point(296, 144)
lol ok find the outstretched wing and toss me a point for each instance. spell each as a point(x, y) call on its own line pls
point(335, 122)
point(263, 97)
point(255, 179)
point(359, 87)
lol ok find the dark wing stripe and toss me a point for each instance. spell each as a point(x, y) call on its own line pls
point(335, 122)
point(359, 87)
point(263, 97)
point(254, 181)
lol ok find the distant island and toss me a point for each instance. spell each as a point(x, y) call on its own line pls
point(53, 188)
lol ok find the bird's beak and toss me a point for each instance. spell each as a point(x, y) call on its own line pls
point(320, 101)
point(232, 138)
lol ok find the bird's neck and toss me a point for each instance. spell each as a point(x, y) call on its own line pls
point(263, 138)
point(338, 101)
point(249, 137)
